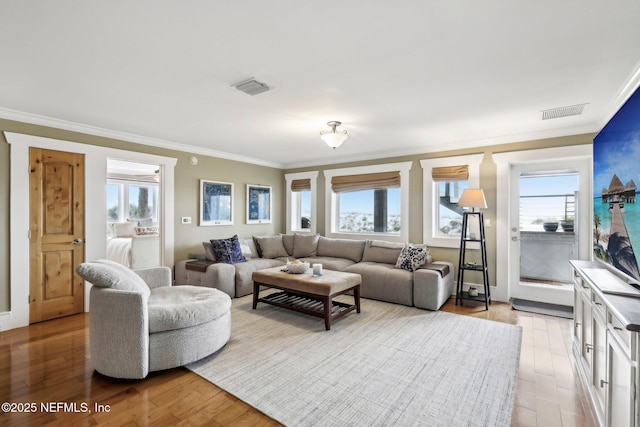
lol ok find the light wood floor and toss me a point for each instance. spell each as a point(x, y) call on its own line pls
point(49, 362)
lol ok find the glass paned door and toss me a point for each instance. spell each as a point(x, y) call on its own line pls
point(543, 236)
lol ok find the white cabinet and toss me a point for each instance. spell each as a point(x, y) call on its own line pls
point(622, 383)
point(606, 353)
point(599, 360)
point(587, 331)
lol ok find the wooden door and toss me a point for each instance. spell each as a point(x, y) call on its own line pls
point(56, 233)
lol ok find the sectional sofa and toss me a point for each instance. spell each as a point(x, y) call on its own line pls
point(427, 287)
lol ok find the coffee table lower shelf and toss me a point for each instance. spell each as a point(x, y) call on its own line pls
point(307, 305)
point(324, 307)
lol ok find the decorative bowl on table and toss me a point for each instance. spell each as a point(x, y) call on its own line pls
point(297, 268)
point(550, 226)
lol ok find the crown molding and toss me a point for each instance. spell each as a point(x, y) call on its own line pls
point(35, 119)
point(623, 95)
point(451, 146)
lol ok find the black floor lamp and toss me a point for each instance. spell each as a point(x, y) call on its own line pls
point(473, 198)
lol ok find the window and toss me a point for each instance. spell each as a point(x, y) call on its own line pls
point(114, 201)
point(370, 211)
point(130, 200)
point(142, 201)
point(368, 200)
point(444, 180)
point(449, 219)
point(301, 201)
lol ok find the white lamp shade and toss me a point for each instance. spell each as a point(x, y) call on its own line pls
point(334, 139)
point(473, 198)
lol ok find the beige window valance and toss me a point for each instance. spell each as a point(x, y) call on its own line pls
point(370, 181)
point(137, 178)
point(301, 185)
point(450, 173)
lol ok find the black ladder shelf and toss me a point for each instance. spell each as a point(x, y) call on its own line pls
point(463, 265)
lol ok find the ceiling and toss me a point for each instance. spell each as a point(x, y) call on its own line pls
point(404, 78)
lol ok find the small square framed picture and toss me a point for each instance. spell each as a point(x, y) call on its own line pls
point(216, 203)
point(259, 204)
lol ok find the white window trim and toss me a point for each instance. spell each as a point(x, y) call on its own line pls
point(331, 205)
point(430, 196)
point(313, 176)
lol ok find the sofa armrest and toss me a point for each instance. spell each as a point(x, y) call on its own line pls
point(155, 277)
point(220, 276)
point(119, 332)
point(430, 289)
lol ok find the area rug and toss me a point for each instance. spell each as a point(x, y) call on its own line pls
point(389, 365)
point(543, 308)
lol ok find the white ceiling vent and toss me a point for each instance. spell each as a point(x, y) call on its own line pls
point(251, 87)
point(570, 110)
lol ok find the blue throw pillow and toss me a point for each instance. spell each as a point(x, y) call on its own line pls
point(228, 250)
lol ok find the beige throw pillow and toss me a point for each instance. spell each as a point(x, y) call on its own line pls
point(287, 242)
point(270, 246)
point(123, 229)
point(305, 245)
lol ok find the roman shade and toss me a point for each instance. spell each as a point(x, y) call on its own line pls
point(369, 181)
point(301, 185)
point(136, 178)
point(450, 173)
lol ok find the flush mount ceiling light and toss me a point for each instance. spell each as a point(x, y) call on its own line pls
point(334, 138)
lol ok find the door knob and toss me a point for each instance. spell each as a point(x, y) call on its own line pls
point(515, 238)
point(76, 241)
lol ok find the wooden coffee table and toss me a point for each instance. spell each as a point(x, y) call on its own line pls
point(306, 293)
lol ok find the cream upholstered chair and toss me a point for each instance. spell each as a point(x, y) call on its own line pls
point(139, 323)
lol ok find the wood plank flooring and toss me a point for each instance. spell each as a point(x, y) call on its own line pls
point(48, 363)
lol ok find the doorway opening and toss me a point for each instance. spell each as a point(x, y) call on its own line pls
point(133, 213)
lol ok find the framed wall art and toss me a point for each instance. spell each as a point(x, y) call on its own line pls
point(258, 204)
point(216, 203)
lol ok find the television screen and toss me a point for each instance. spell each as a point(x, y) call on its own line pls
point(616, 172)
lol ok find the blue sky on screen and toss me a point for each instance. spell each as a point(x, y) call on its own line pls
point(616, 149)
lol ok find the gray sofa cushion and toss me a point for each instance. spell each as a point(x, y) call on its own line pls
point(384, 282)
point(108, 274)
point(178, 307)
point(243, 280)
point(305, 245)
point(341, 248)
point(330, 263)
point(380, 251)
point(287, 242)
point(270, 246)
